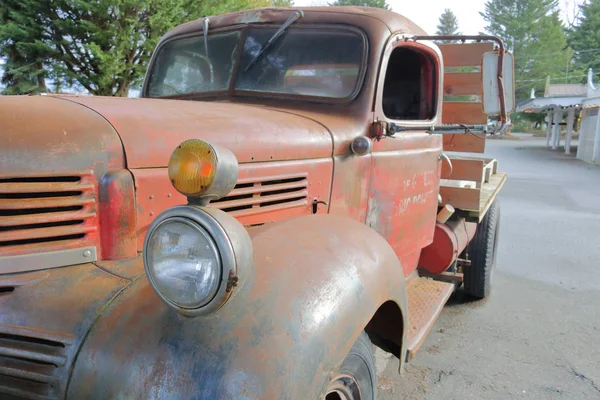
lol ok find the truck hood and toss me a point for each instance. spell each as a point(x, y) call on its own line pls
point(151, 128)
point(40, 134)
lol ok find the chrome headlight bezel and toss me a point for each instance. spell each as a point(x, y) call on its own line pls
point(233, 246)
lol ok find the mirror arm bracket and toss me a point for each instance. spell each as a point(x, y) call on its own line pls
point(460, 129)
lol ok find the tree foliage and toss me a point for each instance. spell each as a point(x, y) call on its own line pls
point(534, 33)
point(448, 24)
point(365, 3)
point(102, 45)
point(584, 37)
point(21, 44)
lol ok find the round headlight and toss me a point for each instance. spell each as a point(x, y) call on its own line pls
point(184, 263)
point(196, 257)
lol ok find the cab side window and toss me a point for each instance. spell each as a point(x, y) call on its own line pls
point(409, 91)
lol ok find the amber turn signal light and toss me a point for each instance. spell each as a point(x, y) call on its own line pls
point(201, 170)
point(192, 167)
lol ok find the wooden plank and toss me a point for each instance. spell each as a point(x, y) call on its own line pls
point(461, 198)
point(464, 143)
point(464, 83)
point(456, 112)
point(464, 169)
point(464, 54)
point(489, 191)
point(490, 169)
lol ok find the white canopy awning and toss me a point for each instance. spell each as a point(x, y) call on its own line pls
point(547, 103)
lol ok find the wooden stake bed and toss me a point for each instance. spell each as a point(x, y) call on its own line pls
point(472, 185)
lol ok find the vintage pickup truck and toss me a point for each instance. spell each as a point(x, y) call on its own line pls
point(285, 195)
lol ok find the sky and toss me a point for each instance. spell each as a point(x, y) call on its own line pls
point(426, 13)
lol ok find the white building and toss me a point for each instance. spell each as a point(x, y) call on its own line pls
point(570, 101)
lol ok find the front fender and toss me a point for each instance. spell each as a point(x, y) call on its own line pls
point(318, 282)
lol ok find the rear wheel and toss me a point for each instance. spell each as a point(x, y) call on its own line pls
point(482, 253)
point(356, 378)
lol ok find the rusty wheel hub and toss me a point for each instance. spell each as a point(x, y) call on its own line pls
point(343, 387)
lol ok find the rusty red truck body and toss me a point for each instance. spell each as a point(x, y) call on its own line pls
point(285, 194)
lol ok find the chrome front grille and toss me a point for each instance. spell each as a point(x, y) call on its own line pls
point(270, 193)
point(45, 212)
point(33, 363)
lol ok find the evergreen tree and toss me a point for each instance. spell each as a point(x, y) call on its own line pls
point(533, 32)
point(22, 43)
point(365, 3)
point(448, 24)
point(103, 46)
point(584, 37)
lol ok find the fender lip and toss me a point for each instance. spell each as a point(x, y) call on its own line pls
point(318, 281)
point(45, 320)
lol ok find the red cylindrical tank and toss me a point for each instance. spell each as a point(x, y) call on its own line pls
point(449, 240)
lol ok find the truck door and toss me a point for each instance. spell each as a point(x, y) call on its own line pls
point(403, 196)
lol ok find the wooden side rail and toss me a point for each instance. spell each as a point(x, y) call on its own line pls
point(471, 184)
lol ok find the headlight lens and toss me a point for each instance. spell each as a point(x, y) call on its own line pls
point(183, 263)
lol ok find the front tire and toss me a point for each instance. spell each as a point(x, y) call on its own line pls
point(482, 253)
point(356, 379)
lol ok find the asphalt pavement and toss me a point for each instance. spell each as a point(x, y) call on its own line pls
point(538, 335)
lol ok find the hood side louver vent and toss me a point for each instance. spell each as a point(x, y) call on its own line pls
point(33, 363)
point(45, 209)
point(265, 194)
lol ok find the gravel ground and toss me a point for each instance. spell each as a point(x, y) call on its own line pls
point(538, 335)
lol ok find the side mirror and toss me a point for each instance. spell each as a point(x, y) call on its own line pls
point(491, 94)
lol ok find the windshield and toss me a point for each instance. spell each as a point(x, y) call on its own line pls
point(317, 62)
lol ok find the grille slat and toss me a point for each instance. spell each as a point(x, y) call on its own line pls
point(39, 187)
point(266, 209)
point(272, 179)
point(31, 351)
point(259, 200)
point(41, 233)
point(267, 193)
point(46, 202)
point(33, 362)
point(19, 389)
point(260, 189)
point(36, 209)
point(27, 370)
point(46, 217)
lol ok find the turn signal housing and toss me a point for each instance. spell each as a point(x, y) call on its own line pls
point(202, 171)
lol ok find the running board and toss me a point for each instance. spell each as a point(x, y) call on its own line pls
point(426, 298)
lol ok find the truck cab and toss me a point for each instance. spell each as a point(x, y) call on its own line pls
point(285, 195)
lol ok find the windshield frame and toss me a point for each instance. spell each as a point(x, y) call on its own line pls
point(232, 92)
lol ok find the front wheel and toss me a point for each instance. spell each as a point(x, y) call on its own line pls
point(356, 378)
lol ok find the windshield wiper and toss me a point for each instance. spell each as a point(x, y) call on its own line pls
point(205, 23)
point(293, 18)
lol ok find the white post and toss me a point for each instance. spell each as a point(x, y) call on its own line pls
point(570, 122)
point(556, 128)
point(584, 117)
point(549, 118)
point(596, 154)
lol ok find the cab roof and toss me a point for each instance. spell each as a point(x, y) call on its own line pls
point(369, 18)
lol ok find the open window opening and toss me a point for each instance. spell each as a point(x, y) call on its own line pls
point(410, 86)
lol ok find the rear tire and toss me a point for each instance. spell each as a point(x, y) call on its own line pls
point(356, 379)
point(482, 253)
